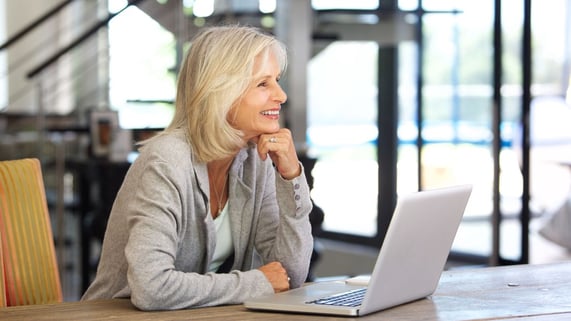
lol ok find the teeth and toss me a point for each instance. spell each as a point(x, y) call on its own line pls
point(271, 112)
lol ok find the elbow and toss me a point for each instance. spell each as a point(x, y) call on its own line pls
point(146, 298)
point(145, 302)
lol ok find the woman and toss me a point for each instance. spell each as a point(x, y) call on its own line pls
point(215, 208)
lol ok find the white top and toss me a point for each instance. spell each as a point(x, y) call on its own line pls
point(224, 245)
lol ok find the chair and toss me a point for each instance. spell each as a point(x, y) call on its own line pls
point(2, 289)
point(31, 273)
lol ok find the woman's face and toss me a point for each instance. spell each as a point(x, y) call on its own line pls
point(258, 111)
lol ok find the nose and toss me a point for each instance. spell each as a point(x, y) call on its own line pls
point(280, 95)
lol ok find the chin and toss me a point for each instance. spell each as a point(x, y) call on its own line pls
point(273, 129)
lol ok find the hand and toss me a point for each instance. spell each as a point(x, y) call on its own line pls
point(279, 146)
point(277, 275)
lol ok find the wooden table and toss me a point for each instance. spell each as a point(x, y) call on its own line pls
point(522, 292)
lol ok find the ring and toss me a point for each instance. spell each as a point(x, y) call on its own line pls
point(273, 140)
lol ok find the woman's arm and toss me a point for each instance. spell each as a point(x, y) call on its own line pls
point(167, 246)
point(284, 232)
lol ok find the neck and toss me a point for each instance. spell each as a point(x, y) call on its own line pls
point(219, 167)
point(218, 176)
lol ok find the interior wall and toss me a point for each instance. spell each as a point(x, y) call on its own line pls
point(19, 15)
point(3, 80)
point(68, 83)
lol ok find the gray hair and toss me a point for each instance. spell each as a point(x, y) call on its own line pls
point(217, 71)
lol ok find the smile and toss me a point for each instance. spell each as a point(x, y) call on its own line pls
point(271, 112)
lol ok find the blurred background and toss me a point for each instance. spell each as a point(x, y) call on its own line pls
point(385, 98)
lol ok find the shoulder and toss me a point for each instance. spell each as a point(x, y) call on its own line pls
point(168, 153)
point(168, 147)
point(167, 141)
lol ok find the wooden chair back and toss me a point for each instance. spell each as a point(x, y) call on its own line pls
point(2, 282)
point(31, 274)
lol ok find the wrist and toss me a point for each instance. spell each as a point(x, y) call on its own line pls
point(293, 174)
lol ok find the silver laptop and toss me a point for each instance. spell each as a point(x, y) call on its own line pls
point(408, 267)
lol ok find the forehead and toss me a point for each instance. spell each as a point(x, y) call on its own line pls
point(266, 63)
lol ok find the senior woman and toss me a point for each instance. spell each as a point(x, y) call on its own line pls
point(215, 208)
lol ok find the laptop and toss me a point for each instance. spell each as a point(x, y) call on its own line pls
point(408, 267)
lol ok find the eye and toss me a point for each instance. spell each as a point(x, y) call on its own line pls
point(263, 84)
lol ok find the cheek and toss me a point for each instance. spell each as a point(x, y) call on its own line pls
point(240, 118)
point(236, 115)
point(243, 112)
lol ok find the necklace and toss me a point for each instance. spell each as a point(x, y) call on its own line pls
point(215, 167)
point(218, 198)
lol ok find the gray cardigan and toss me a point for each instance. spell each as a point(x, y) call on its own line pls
point(160, 237)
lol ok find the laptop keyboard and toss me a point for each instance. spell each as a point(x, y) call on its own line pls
point(351, 298)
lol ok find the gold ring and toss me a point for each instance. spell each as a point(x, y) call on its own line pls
point(273, 140)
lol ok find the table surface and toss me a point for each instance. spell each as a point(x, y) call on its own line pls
point(519, 292)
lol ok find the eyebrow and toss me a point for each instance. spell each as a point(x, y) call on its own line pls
point(265, 76)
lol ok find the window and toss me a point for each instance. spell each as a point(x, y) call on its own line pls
point(342, 135)
point(457, 118)
point(141, 55)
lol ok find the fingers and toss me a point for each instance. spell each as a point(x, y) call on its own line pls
point(277, 275)
point(281, 149)
point(274, 143)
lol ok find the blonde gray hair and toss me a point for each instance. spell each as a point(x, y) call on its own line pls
point(217, 71)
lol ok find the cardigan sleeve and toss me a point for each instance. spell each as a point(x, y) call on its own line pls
point(284, 232)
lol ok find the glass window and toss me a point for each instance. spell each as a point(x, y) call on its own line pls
point(457, 112)
point(407, 164)
point(550, 110)
point(141, 85)
point(345, 4)
point(408, 5)
point(446, 5)
point(342, 135)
